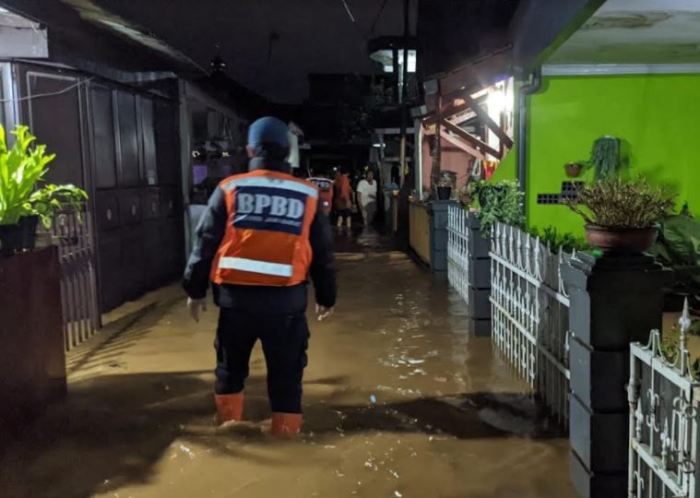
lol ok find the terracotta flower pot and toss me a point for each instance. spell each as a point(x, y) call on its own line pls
point(573, 170)
point(632, 240)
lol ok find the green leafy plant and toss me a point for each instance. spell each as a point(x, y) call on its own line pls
point(499, 202)
point(50, 199)
point(22, 168)
point(622, 204)
point(606, 158)
point(556, 240)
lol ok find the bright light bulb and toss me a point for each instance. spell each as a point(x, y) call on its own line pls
point(497, 102)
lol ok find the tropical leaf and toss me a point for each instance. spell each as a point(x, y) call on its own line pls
point(22, 168)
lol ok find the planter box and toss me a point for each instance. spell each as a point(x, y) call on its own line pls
point(595, 284)
point(32, 358)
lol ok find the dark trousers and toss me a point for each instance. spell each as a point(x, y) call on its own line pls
point(285, 339)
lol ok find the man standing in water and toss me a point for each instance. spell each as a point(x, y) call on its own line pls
point(263, 233)
point(367, 197)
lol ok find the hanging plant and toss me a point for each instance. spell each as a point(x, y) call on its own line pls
point(606, 158)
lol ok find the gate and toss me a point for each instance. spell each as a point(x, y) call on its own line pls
point(72, 234)
point(663, 396)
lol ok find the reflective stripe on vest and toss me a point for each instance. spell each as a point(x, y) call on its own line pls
point(254, 266)
point(266, 241)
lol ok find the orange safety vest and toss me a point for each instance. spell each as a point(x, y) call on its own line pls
point(266, 242)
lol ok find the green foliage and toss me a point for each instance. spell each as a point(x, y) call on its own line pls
point(22, 169)
point(606, 158)
point(678, 247)
point(499, 202)
point(51, 199)
point(555, 240)
point(617, 203)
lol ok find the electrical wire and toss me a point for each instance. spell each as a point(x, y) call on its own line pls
point(50, 94)
point(347, 9)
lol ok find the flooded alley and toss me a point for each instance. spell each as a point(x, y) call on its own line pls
point(400, 401)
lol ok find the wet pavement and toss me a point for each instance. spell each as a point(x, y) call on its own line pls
point(400, 401)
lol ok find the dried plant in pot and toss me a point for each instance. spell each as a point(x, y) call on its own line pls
point(622, 216)
point(444, 186)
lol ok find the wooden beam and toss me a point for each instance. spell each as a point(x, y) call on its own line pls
point(481, 113)
point(475, 142)
point(445, 113)
point(484, 116)
point(462, 145)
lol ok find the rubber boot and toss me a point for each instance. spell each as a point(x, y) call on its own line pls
point(229, 407)
point(286, 425)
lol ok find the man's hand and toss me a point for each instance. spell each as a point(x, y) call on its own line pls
point(196, 306)
point(322, 312)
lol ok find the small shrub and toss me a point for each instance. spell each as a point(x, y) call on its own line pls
point(500, 202)
point(555, 240)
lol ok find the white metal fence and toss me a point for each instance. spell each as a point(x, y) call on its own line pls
point(458, 250)
point(530, 314)
point(529, 302)
point(664, 406)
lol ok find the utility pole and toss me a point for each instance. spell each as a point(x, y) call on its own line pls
point(404, 88)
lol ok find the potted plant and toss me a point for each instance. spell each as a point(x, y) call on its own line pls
point(574, 170)
point(498, 202)
point(444, 186)
point(606, 158)
point(24, 199)
point(622, 216)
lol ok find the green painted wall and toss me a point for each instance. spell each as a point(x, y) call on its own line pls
point(508, 169)
point(658, 116)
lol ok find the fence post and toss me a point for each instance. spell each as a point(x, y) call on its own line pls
point(615, 300)
point(479, 272)
point(438, 235)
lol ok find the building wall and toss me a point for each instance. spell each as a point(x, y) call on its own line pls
point(657, 117)
point(452, 159)
point(122, 146)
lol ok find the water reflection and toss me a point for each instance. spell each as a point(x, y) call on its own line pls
point(400, 401)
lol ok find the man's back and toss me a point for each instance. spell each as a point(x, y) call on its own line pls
point(263, 208)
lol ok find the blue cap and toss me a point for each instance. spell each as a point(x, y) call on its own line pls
point(268, 130)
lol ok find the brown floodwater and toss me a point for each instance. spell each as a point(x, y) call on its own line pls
point(400, 401)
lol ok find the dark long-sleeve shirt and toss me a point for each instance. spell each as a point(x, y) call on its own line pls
point(210, 232)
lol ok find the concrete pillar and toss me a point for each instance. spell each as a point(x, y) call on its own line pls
point(615, 300)
point(479, 306)
point(438, 235)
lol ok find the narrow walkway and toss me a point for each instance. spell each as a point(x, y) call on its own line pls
point(400, 400)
